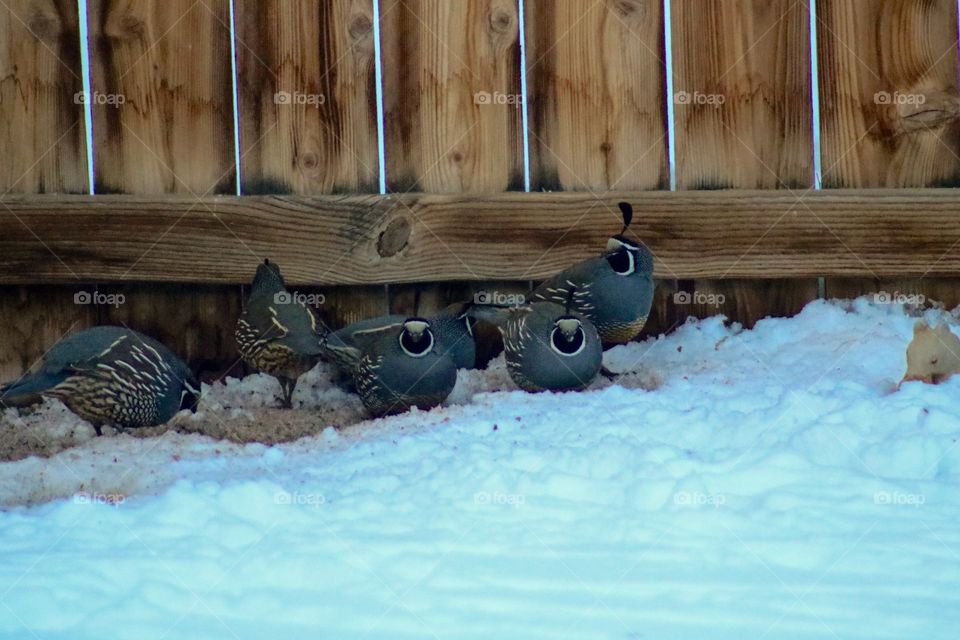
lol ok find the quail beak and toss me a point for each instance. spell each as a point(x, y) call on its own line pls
point(569, 327)
point(416, 328)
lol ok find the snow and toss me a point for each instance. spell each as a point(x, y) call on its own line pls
point(771, 483)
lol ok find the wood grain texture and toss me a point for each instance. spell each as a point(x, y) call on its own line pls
point(41, 122)
point(44, 151)
point(163, 105)
point(451, 81)
point(348, 304)
point(308, 113)
point(742, 94)
point(744, 119)
point(596, 82)
point(878, 60)
point(428, 238)
point(33, 319)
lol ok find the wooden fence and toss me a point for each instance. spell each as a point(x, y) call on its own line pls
point(736, 98)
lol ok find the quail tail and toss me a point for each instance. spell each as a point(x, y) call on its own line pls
point(29, 390)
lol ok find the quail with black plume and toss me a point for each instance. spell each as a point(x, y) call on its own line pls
point(110, 376)
point(547, 347)
point(276, 333)
point(395, 366)
point(614, 291)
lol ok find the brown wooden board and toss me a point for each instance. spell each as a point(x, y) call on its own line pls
point(889, 95)
point(308, 112)
point(889, 90)
point(452, 96)
point(163, 123)
point(596, 79)
point(162, 96)
point(742, 99)
point(331, 240)
point(41, 112)
point(33, 319)
point(42, 133)
point(451, 87)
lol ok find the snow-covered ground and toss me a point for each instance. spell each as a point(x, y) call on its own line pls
point(770, 483)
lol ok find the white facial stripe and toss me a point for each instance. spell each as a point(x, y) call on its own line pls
point(426, 351)
point(583, 344)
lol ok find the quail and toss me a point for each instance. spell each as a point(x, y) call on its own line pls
point(547, 347)
point(110, 376)
point(614, 291)
point(395, 366)
point(276, 333)
point(452, 325)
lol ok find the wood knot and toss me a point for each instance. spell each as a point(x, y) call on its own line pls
point(501, 21)
point(361, 26)
point(912, 112)
point(606, 148)
point(394, 238)
point(125, 26)
point(308, 161)
point(457, 156)
point(45, 26)
point(632, 9)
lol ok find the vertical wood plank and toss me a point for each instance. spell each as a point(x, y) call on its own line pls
point(889, 90)
point(596, 81)
point(743, 94)
point(308, 113)
point(33, 319)
point(451, 95)
point(162, 96)
point(453, 105)
point(163, 123)
point(42, 134)
point(888, 85)
point(598, 115)
point(742, 100)
point(41, 121)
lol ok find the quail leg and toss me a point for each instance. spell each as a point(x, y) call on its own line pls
point(287, 386)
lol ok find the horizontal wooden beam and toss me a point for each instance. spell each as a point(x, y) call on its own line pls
point(420, 238)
